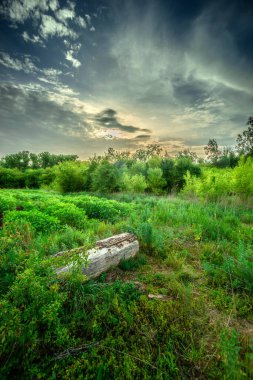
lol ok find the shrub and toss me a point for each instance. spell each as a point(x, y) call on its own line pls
point(66, 213)
point(156, 182)
point(213, 184)
point(33, 178)
point(168, 168)
point(182, 166)
point(70, 177)
point(243, 176)
point(134, 184)
point(11, 178)
point(103, 209)
point(105, 178)
point(7, 202)
point(38, 220)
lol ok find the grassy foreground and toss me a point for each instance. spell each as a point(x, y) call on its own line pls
point(181, 310)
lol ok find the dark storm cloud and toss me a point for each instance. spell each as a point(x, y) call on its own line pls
point(174, 70)
point(36, 119)
point(143, 137)
point(190, 91)
point(30, 120)
point(108, 119)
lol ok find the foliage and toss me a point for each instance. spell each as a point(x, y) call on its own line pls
point(245, 140)
point(220, 157)
point(100, 208)
point(105, 178)
point(212, 150)
point(11, 178)
point(134, 184)
point(70, 177)
point(243, 175)
point(215, 183)
point(25, 160)
point(133, 263)
point(166, 314)
point(184, 165)
point(156, 182)
point(66, 213)
point(38, 220)
point(186, 153)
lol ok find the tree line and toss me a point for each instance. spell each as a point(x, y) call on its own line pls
point(25, 160)
point(149, 169)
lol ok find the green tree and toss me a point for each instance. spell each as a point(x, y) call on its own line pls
point(105, 178)
point(243, 175)
point(156, 182)
point(138, 167)
point(18, 160)
point(182, 166)
point(168, 168)
point(70, 177)
point(245, 140)
point(150, 151)
point(186, 153)
point(34, 159)
point(212, 150)
point(134, 184)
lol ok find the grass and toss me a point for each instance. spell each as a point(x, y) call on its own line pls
point(182, 309)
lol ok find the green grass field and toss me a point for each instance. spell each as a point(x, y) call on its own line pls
point(182, 309)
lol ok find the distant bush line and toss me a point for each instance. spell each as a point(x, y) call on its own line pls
point(223, 172)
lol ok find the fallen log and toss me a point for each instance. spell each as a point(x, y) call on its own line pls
point(107, 253)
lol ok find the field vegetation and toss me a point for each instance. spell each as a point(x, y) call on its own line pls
point(182, 309)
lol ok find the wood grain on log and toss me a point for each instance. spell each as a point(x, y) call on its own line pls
point(107, 253)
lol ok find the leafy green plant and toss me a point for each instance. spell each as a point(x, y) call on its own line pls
point(134, 184)
point(39, 221)
point(70, 177)
point(100, 208)
point(156, 182)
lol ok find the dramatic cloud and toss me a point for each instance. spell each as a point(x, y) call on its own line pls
point(65, 14)
point(19, 11)
point(81, 22)
point(51, 27)
point(74, 61)
point(108, 119)
point(126, 73)
point(33, 39)
point(26, 64)
point(52, 121)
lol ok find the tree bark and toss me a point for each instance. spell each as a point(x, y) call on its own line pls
point(107, 253)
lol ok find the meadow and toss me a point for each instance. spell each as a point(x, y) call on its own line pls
point(182, 309)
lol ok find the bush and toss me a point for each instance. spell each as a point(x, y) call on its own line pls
point(168, 168)
point(66, 213)
point(243, 177)
point(105, 178)
point(11, 178)
point(7, 202)
point(38, 220)
point(70, 177)
point(184, 165)
point(156, 182)
point(134, 184)
point(33, 178)
point(103, 209)
point(213, 184)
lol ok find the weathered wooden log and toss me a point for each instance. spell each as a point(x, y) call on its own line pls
point(107, 253)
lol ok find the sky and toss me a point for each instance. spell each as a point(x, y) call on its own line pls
point(78, 77)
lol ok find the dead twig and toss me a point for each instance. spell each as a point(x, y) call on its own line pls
point(75, 350)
